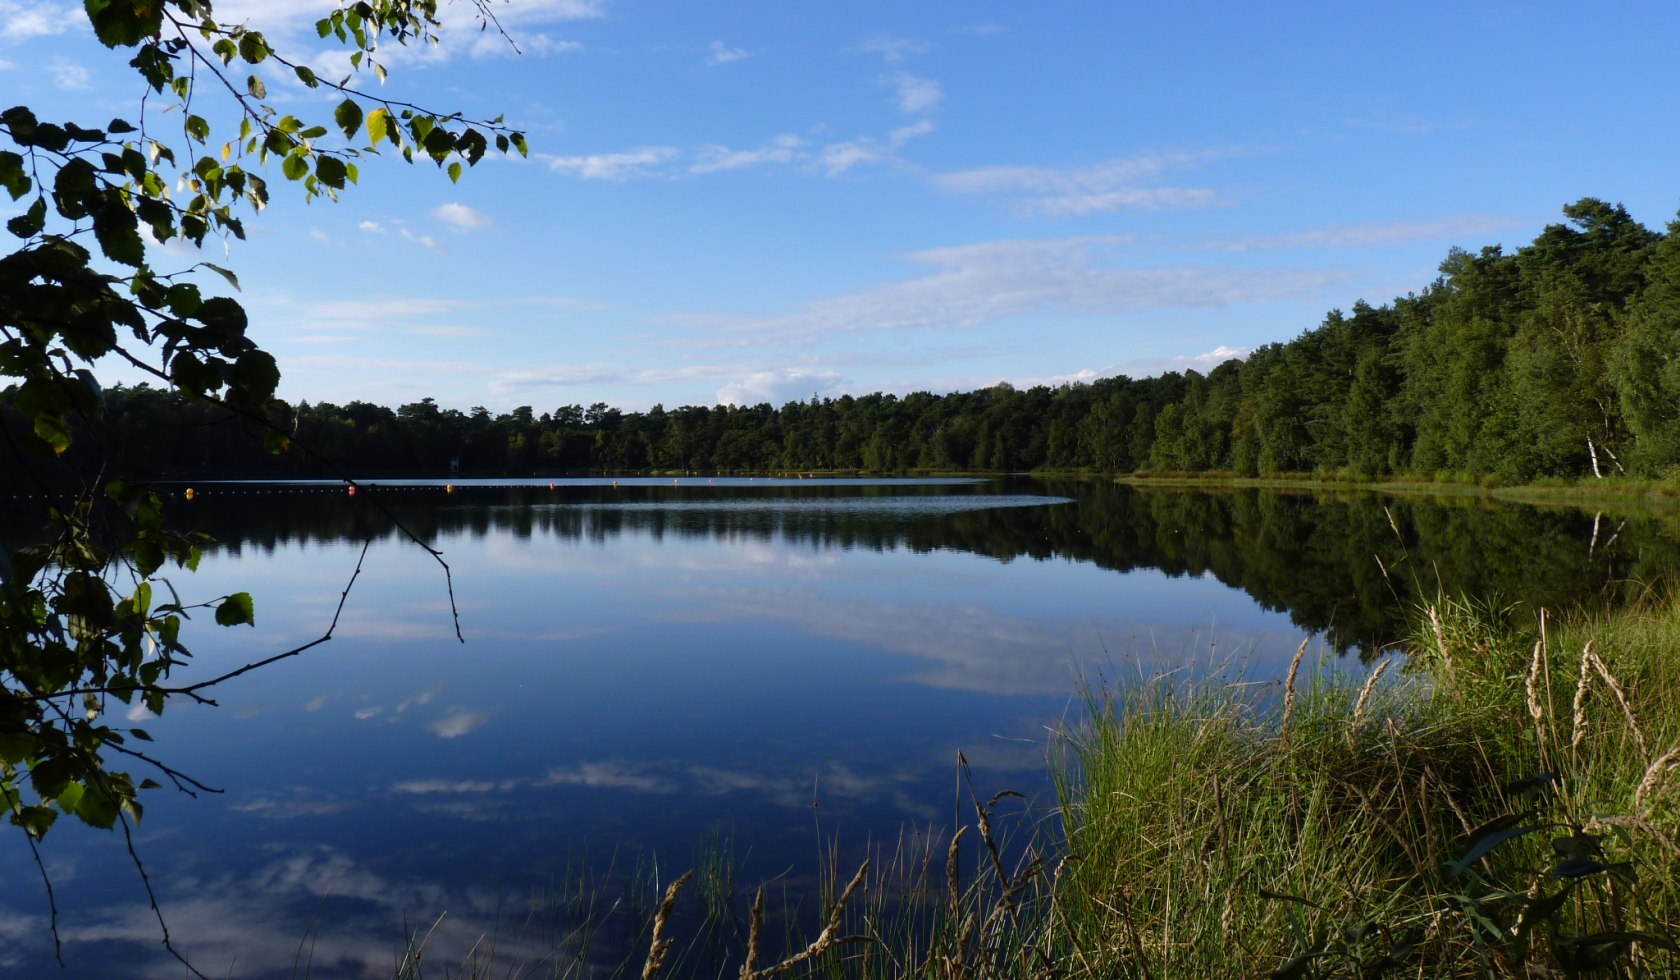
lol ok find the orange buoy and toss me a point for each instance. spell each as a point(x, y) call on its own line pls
point(449, 488)
point(189, 494)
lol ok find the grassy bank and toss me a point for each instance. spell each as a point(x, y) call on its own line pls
point(1616, 492)
point(1506, 802)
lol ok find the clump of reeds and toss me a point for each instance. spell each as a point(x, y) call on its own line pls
point(1506, 803)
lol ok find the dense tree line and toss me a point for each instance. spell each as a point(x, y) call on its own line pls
point(1559, 359)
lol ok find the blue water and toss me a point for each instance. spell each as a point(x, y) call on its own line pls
point(787, 665)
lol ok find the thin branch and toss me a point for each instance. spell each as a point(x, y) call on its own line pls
point(151, 896)
point(175, 775)
point(342, 474)
point(343, 597)
point(46, 880)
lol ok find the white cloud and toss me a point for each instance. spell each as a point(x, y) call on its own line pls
point(21, 21)
point(1373, 234)
point(425, 240)
point(423, 787)
point(1125, 182)
point(641, 162)
point(450, 332)
point(723, 54)
point(1154, 198)
point(602, 374)
point(457, 723)
point(320, 236)
point(779, 387)
point(1141, 367)
point(1219, 355)
point(916, 94)
point(982, 29)
point(892, 48)
point(904, 134)
point(980, 283)
point(605, 775)
point(783, 149)
point(372, 227)
point(69, 76)
point(837, 158)
point(489, 44)
point(461, 217)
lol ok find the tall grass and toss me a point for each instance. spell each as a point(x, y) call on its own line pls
point(1507, 805)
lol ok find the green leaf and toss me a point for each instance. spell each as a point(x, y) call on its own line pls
point(255, 86)
point(1542, 908)
point(69, 796)
point(50, 776)
point(124, 23)
point(295, 166)
point(227, 274)
point(12, 175)
point(118, 231)
point(306, 76)
point(253, 48)
point(454, 172)
point(236, 610)
point(1578, 867)
point(1484, 843)
point(1297, 967)
point(348, 115)
point(331, 171)
point(256, 374)
point(98, 807)
point(52, 430)
point(29, 223)
point(35, 819)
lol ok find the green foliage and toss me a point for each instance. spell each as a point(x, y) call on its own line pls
point(88, 613)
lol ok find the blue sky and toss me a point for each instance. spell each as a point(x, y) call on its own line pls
point(762, 201)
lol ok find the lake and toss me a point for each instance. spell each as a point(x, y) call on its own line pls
point(657, 674)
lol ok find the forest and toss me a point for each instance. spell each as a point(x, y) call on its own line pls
point(1559, 359)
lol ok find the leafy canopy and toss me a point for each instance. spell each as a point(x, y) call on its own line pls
point(86, 614)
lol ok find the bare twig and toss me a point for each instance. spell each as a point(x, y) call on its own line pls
point(151, 896)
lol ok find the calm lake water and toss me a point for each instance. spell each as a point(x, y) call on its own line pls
point(656, 672)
